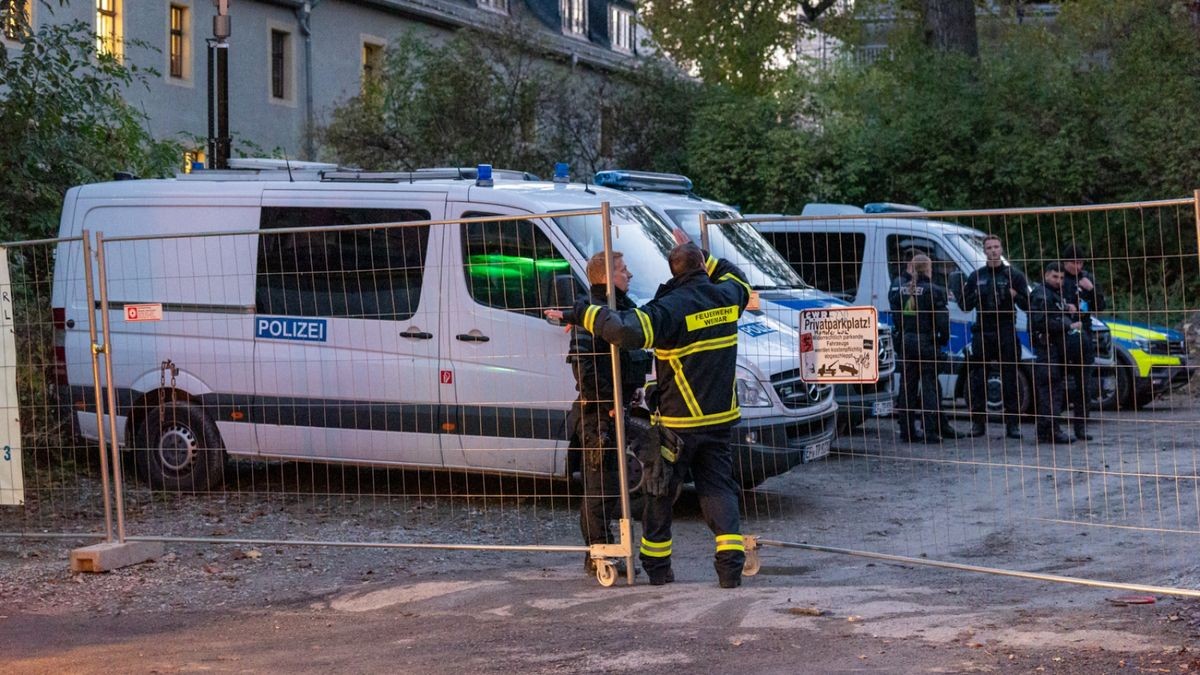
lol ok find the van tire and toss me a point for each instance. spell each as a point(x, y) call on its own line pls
point(180, 449)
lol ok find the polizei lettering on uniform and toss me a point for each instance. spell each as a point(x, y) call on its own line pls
point(287, 328)
point(712, 317)
point(842, 324)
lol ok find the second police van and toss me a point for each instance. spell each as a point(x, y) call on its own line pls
point(416, 346)
point(857, 258)
point(782, 292)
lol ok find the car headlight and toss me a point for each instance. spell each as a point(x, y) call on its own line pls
point(750, 391)
point(1142, 343)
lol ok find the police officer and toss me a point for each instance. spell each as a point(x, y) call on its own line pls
point(923, 324)
point(1051, 321)
point(595, 433)
point(1082, 293)
point(692, 325)
point(995, 291)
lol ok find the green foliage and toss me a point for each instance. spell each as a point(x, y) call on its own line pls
point(65, 123)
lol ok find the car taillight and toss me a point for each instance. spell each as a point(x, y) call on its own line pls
point(60, 345)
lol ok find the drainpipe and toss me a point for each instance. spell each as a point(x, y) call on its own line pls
point(304, 17)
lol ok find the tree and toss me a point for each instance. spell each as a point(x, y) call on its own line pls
point(65, 122)
point(744, 44)
point(949, 26)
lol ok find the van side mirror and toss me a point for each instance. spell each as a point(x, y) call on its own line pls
point(956, 285)
point(563, 291)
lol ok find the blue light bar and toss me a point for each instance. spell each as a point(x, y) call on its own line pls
point(889, 207)
point(643, 180)
point(484, 176)
point(562, 172)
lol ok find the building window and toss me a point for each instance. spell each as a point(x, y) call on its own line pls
point(108, 27)
point(372, 62)
point(574, 16)
point(279, 63)
point(177, 53)
point(621, 29)
point(16, 18)
point(495, 5)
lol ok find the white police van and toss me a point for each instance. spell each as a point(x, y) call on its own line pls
point(857, 259)
point(418, 346)
point(783, 293)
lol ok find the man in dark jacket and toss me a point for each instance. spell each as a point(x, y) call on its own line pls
point(692, 325)
point(995, 291)
point(1050, 323)
point(923, 326)
point(1082, 293)
point(595, 433)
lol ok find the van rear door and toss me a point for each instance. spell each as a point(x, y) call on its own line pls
point(346, 327)
point(511, 380)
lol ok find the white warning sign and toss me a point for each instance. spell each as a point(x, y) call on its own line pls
point(12, 485)
point(839, 345)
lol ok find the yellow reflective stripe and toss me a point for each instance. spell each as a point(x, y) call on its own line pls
point(710, 265)
point(712, 317)
point(589, 317)
point(685, 389)
point(701, 420)
point(655, 549)
point(697, 346)
point(667, 454)
point(731, 275)
point(730, 542)
point(647, 329)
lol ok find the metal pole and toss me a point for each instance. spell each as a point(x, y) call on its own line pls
point(112, 397)
point(1196, 209)
point(618, 402)
point(212, 92)
point(222, 158)
point(96, 347)
point(704, 231)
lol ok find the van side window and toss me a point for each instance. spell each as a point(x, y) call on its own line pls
point(831, 261)
point(362, 274)
point(510, 265)
point(901, 247)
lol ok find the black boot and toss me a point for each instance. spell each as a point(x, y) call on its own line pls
point(950, 433)
point(1012, 430)
point(1082, 434)
point(1055, 436)
point(977, 429)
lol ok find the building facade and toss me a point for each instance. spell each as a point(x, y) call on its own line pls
point(292, 61)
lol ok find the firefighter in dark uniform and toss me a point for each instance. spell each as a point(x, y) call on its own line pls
point(923, 326)
point(692, 326)
point(995, 291)
point(593, 411)
point(1080, 291)
point(1051, 321)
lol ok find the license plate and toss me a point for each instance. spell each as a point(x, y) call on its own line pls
point(882, 408)
point(815, 451)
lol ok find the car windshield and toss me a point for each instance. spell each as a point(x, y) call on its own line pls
point(739, 243)
point(643, 238)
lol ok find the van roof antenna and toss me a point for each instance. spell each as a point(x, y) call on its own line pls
point(288, 163)
point(587, 188)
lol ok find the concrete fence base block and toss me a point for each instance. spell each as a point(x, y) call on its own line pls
point(109, 556)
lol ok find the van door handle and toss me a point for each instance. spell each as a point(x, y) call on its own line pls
point(417, 335)
point(467, 337)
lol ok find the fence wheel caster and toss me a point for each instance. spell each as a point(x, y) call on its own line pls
point(606, 573)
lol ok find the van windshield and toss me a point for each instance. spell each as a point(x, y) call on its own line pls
point(741, 244)
point(639, 234)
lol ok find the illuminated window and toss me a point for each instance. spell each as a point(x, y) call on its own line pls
point(16, 18)
point(495, 5)
point(574, 16)
point(621, 29)
point(372, 61)
point(280, 46)
point(108, 27)
point(177, 53)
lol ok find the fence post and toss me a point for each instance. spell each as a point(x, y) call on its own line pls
point(704, 231)
point(618, 402)
point(1196, 210)
point(96, 348)
point(118, 489)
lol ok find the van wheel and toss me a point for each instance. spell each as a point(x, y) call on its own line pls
point(995, 392)
point(180, 449)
